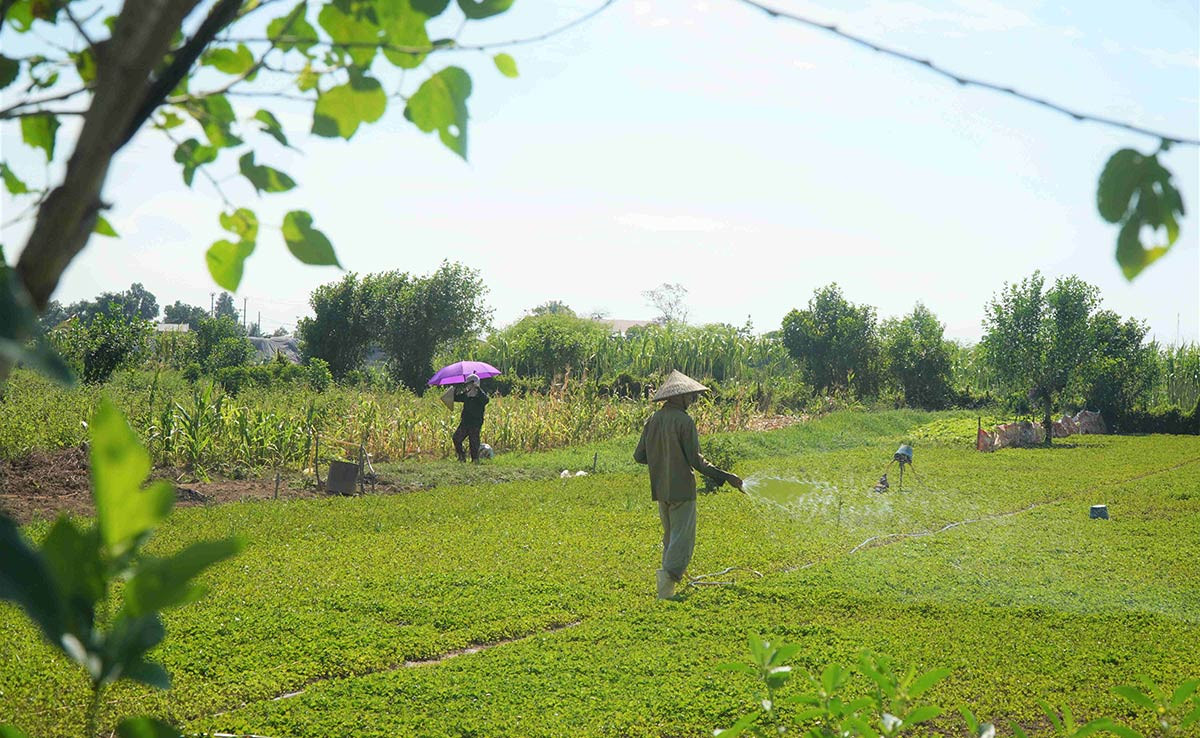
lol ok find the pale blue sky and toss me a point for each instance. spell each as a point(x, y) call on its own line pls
point(749, 159)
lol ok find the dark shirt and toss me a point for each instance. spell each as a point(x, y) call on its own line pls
point(472, 412)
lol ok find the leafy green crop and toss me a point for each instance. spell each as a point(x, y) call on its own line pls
point(63, 585)
point(988, 566)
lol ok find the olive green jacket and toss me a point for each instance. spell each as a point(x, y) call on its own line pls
point(670, 445)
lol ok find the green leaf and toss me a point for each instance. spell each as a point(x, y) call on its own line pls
point(506, 64)
point(39, 131)
point(1132, 257)
point(479, 9)
point(1192, 717)
point(927, 680)
point(226, 261)
point(9, 731)
point(307, 79)
point(921, 714)
point(431, 8)
point(74, 560)
point(355, 26)
point(1136, 696)
point(104, 228)
point(125, 651)
point(784, 653)
point(1119, 730)
point(124, 512)
point(403, 26)
point(241, 222)
point(737, 728)
point(300, 34)
point(12, 183)
point(271, 126)
point(192, 155)
point(144, 727)
point(169, 120)
point(264, 178)
point(19, 324)
point(440, 104)
point(340, 110)
point(9, 69)
point(162, 583)
point(305, 242)
point(1183, 692)
point(1118, 181)
point(215, 115)
point(85, 65)
point(25, 580)
point(20, 16)
point(230, 61)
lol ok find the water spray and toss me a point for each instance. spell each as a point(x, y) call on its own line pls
point(903, 455)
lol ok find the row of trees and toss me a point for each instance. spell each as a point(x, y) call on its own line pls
point(403, 318)
point(1045, 347)
point(139, 303)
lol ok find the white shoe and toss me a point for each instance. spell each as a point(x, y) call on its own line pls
point(666, 585)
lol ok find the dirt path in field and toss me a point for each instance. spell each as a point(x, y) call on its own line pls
point(433, 661)
point(43, 484)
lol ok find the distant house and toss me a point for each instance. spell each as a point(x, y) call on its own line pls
point(171, 327)
point(623, 326)
point(266, 347)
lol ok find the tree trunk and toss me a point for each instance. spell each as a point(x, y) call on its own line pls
point(125, 65)
point(1047, 424)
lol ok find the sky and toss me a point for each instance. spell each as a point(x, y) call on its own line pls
point(701, 142)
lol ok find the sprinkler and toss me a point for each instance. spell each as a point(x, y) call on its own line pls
point(904, 455)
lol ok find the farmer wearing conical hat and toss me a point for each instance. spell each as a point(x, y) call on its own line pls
point(670, 446)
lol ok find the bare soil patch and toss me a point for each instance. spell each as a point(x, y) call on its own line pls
point(43, 484)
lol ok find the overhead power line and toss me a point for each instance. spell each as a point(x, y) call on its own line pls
point(964, 80)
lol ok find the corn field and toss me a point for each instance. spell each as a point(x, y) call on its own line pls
point(718, 352)
point(200, 428)
point(1179, 376)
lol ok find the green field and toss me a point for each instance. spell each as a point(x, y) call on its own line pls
point(337, 599)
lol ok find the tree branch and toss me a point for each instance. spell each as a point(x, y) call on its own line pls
point(221, 15)
point(7, 112)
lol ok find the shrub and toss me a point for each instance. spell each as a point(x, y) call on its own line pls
point(98, 348)
point(319, 376)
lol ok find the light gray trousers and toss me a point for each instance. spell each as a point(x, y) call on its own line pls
point(679, 536)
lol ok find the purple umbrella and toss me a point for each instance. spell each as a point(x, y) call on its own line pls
point(457, 373)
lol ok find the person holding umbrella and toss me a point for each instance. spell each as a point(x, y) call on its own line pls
point(670, 446)
point(470, 423)
point(471, 395)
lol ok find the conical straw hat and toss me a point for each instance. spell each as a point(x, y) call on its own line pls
point(678, 384)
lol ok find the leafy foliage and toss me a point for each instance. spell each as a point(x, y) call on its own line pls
point(1039, 340)
point(916, 357)
point(835, 341)
point(1135, 191)
point(221, 343)
point(411, 318)
point(1012, 605)
point(97, 348)
point(63, 585)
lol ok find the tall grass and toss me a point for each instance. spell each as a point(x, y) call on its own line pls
point(200, 427)
point(1178, 376)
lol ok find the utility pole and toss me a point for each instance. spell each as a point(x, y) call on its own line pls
point(212, 304)
point(245, 303)
point(260, 330)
